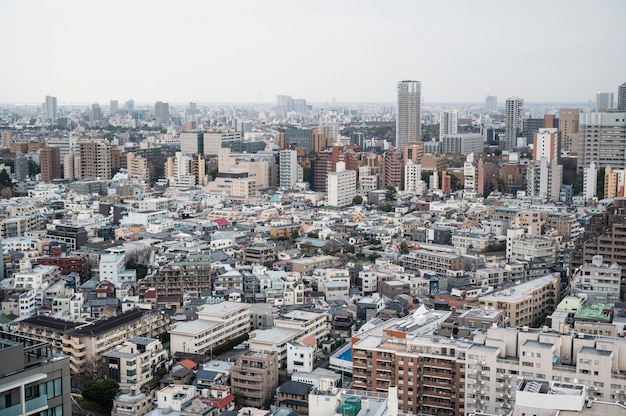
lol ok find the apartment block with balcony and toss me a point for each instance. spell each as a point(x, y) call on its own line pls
point(216, 325)
point(133, 363)
point(34, 380)
point(255, 376)
point(310, 322)
point(85, 343)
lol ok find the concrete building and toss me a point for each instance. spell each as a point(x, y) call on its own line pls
point(413, 183)
point(133, 363)
point(408, 113)
point(113, 269)
point(590, 181)
point(310, 323)
point(255, 376)
point(569, 119)
point(523, 304)
point(162, 112)
point(448, 123)
point(95, 159)
point(137, 168)
point(215, 140)
point(513, 121)
point(50, 163)
point(51, 108)
point(84, 343)
point(462, 143)
point(598, 281)
point(341, 186)
point(602, 139)
point(217, 324)
point(191, 143)
point(621, 97)
point(35, 380)
point(288, 169)
point(604, 101)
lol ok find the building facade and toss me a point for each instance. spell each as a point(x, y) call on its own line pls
point(408, 113)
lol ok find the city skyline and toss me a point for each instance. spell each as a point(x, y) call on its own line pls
point(244, 51)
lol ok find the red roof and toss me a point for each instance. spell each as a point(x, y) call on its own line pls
point(223, 402)
point(188, 364)
point(221, 222)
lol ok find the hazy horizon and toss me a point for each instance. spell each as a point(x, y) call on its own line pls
point(246, 51)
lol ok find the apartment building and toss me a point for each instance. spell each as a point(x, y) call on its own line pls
point(216, 325)
point(525, 303)
point(599, 281)
point(307, 265)
point(132, 364)
point(444, 376)
point(445, 263)
point(311, 323)
point(85, 343)
point(35, 380)
point(187, 273)
point(255, 376)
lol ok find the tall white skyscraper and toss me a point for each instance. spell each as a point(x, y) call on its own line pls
point(408, 113)
point(448, 123)
point(590, 184)
point(513, 121)
point(51, 107)
point(604, 101)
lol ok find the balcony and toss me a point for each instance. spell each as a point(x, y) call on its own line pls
point(12, 411)
point(38, 403)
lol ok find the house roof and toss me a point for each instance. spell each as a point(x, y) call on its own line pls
point(187, 363)
point(296, 388)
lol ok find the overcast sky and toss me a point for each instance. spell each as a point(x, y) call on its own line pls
point(355, 51)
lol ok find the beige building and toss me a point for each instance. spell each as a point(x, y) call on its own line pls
point(85, 343)
point(133, 363)
point(137, 167)
point(523, 304)
point(255, 376)
point(217, 324)
point(439, 375)
point(310, 323)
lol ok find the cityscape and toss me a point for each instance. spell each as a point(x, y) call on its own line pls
point(284, 224)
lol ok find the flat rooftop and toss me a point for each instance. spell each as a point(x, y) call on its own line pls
point(275, 335)
point(193, 327)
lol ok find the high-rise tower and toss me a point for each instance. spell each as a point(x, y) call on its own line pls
point(513, 121)
point(51, 108)
point(448, 123)
point(604, 101)
point(621, 98)
point(408, 113)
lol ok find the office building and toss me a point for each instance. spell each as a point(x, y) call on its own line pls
point(590, 181)
point(569, 119)
point(414, 152)
point(7, 139)
point(21, 166)
point(602, 140)
point(191, 143)
point(546, 145)
point(113, 107)
point(288, 168)
point(96, 114)
point(604, 101)
point(51, 108)
point(513, 121)
point(614, 181)
point(491, 104)
point(215, 140)
point(162, 112)
point(331, 130)
point(408, 113)
point(463, 143)
point(544, 179)
point(448, 123)
point(341, 186)
point(621, 98)
point(50, 163)
point(35, 380)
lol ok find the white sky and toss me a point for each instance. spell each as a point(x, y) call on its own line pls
point(356, 51)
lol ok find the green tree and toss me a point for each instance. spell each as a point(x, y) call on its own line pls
point(294, 235)
point(350, 249)
point(404, 248)
point(101, 392)
point(33, 168)
point(372, 257)
point(391, 193)
point(388, 207)
point(357, 200)
point(5, 179)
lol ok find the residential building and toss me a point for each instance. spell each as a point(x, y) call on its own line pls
point(448, 123)
point(444, 262)
point(255, 376)
point(191, 143)
point(569, 119)
point(84, 343)
point(113, 269)
point(51, 108)
point(604, 101)
point(137, 167)
point(598, 281)
point(217, 324)
point(288, 168)
point(513, 121)
point(602, 139)
point(413, 183)
point(309, 322)
point(94, 159)
point(341, 186)
point(621, 97)
point(213, 141)
point(408, 113)
point(462, 143)
point(134, 363)
point(526, 302)
point(491, 104)
point(35, 380)
point(50, 163)
point(162, 112)
point(590, 181)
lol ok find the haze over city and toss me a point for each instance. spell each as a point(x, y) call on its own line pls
point(354, 51)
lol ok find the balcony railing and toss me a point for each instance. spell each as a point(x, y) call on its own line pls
point(37, 403)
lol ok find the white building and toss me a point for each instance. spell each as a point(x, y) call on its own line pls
point(341, 186)
point(408, 113)
point(599, 281)
point(300, 358)
point(288, 168)
point(113, 269)
point(469, 172)
point(448, 123)
point(413, 183)
point(590, 184)
point(131, 364)
point(217, 323)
